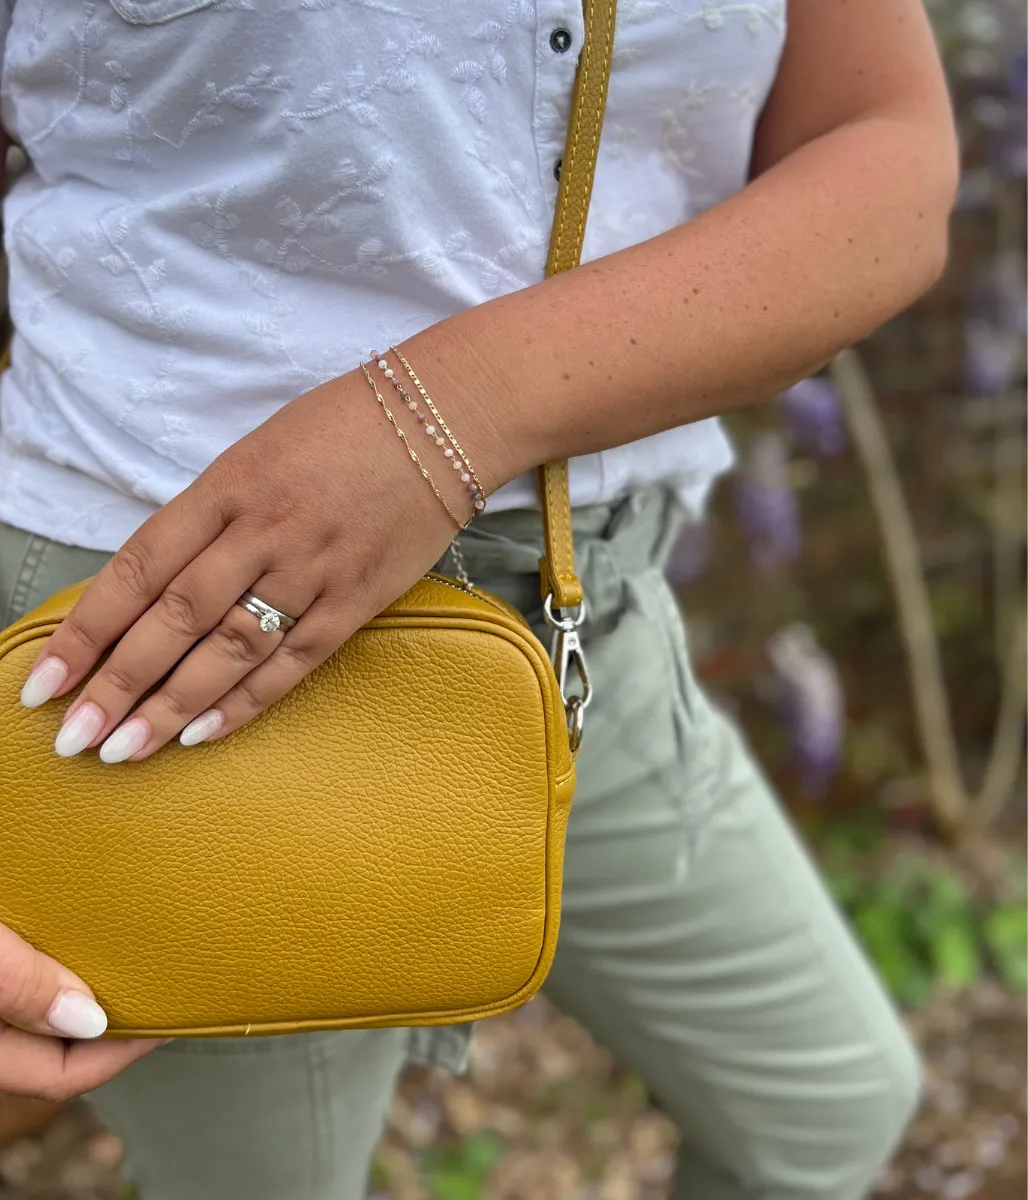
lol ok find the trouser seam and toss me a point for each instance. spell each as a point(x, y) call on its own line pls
point(26, 576)
point(321, 1103)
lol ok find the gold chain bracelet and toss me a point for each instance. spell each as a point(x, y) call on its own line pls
point(411, 451)
point(441, 433)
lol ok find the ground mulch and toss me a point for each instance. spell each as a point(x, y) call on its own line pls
point(545, 1114)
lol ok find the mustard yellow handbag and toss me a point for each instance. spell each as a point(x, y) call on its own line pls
point(405, 869)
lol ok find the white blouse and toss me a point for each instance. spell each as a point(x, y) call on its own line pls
point(231, 201)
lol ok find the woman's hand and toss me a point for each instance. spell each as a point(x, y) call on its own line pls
point(319, 512)
point(39, 995)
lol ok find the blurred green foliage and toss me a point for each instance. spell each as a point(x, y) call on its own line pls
point(459, 1172)
point(923, 923)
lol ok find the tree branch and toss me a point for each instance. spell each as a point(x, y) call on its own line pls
point(1007, 753)
point(906, 577)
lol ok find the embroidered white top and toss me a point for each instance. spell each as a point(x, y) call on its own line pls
point(230, 201)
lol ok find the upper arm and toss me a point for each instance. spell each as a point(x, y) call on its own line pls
point(847, 60)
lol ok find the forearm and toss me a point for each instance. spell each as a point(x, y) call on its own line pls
point(720, 312)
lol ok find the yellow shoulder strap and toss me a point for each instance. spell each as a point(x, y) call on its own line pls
point(557, 567)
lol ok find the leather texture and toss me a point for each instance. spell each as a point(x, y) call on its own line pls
point(578, 166)
point(383, 846)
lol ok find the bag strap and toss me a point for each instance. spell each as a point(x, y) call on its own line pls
point(560, 582)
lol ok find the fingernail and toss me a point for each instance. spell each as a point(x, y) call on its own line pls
point(74, 1015)
point(46, 677)
point(126, 740)
point(202, 727)
point(79, 729)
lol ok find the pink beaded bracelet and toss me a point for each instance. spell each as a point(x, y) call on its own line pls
point(413, 455)
point(440, 432)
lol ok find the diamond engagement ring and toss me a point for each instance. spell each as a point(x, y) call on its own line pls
point(271, 619)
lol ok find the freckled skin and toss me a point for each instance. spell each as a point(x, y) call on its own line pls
point(855, 152)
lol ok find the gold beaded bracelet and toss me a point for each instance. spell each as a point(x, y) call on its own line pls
point(412, 452)
point(435, 412)
point(440, 434)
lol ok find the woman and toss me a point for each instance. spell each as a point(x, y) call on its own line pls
point(227, 206)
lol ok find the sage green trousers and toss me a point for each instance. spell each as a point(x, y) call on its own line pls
point(697, 943)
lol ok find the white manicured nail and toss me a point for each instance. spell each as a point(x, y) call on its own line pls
point(46, 677)
point(74, 1015)
point(79, 729)
point(126, 740)
point(202, 727)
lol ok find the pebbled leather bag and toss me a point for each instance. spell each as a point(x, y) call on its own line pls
point(384, 846)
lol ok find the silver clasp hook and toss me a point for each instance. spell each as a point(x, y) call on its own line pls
point(565, 651)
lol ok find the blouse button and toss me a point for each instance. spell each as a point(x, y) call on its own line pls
point(560, 41)
point(556, 169)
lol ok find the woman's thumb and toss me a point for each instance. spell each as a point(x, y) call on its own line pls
point(39, 995)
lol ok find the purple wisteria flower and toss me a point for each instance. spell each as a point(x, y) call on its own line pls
point(1017, 80)
point(1007, 152)
point(1007, 292)
point(995, 328)
point(691, 554)
point(814, 414)
point(812, 703)
point(990, 358)
point(765, 503)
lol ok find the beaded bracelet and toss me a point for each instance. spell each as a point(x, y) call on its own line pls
point(456, 456)
point(435, 412)
point(461, 525)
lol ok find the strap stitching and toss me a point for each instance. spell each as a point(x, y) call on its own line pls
point(580, 114)
point(555, 483)
point(555, 474)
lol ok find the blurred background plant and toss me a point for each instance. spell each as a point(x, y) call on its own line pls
point(857, 599)
point(882, 508)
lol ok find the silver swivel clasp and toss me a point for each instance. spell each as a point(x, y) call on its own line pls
point(565, 652)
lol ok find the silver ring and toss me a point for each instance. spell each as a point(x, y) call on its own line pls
point(271, 619)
